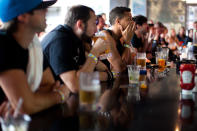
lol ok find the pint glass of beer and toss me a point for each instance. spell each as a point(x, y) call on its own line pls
point(89, 90)
point(141, 60)
point(102, 36)
point(161, 60)
point(98, 35)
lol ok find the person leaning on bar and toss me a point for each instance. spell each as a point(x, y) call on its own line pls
point(65, 49)
point(121, 31)
point(20, 26)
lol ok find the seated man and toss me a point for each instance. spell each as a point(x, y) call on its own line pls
point(122, 30)
point(19, 28)
point(64, 46)
point(140, 40)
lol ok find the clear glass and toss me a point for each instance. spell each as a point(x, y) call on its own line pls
point(141, 60)
point(160, 59)
point(165, 52)
point(133, 74)
point(20, 123)
point(157, 54)
point(107, 52)
point(133, 94)
point(184, 53)
point(89, 90)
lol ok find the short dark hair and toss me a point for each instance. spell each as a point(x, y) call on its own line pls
point(140, 19)
point(117, 12)
point(97, 19)
point(78, 12)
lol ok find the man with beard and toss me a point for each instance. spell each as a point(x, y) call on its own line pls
point(65, 50)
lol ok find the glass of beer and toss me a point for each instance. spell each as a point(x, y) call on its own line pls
point(107, 53)
point(98, 35)
point(89, 90)
point(161, 60)
point(141, 60)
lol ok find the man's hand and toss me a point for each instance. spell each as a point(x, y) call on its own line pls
point(63, 88)
point(100, 47)
point(128, 33)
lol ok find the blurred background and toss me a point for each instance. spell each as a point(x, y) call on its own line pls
point(173, 13)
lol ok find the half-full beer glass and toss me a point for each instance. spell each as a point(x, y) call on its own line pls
point(89, 90)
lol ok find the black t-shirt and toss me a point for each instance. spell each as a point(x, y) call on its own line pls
point(136, 42)
point(12, 55)
point(63, 50)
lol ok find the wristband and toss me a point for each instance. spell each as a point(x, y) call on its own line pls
point(115, 74)
point(94, 57)
point(126, 45)
point(61, 94)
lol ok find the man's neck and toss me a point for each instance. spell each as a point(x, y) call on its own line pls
point(24, 37)
point(116, 33)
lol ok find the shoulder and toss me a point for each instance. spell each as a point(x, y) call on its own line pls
point(12, 55)
point(6, 42)
point(3, 37)
point(58, 32)
point(58, 35)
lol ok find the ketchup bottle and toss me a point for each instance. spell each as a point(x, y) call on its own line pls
point(187, 76)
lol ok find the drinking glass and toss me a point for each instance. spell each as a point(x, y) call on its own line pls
point(107, 51)
point(20, 123)
point(165, 52)
point(161, 60)
point(89, 90)
point(157, 54)
point(133, 74)
point(141, 59)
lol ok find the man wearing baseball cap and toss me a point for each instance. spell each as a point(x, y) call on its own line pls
point(22, 19)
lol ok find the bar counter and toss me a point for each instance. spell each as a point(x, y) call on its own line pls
point(159, 107)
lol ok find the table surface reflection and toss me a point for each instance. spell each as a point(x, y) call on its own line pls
point(158, 107)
